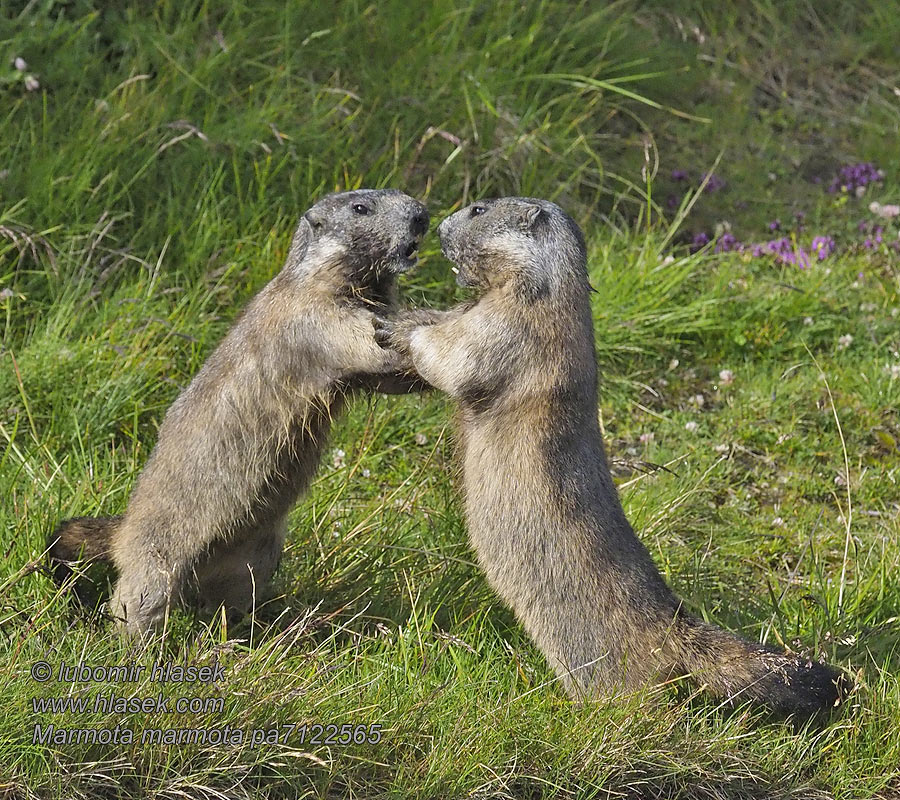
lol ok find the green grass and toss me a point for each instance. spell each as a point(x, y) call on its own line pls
point(149, 189)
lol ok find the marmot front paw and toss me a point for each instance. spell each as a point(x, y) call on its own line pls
point(384, 332)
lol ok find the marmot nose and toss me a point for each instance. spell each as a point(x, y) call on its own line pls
point(419, 224)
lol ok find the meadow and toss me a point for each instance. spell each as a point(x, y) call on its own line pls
point(736, 171)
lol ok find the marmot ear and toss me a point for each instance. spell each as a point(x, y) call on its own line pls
point(528, 216)
point(300, 243)
point(315, 218)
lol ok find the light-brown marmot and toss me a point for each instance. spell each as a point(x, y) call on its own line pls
point(543, 513)
point(242, 441)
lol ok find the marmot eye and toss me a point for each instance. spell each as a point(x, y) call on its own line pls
point(359, 208)
point(476, 210)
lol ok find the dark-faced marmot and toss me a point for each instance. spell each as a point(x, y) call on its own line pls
point(543, 513)
point(242, 441)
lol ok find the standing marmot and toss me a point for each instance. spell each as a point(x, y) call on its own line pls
point(242, 441)
point(542, 510)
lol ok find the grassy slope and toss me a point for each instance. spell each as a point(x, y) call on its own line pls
point(127, 251)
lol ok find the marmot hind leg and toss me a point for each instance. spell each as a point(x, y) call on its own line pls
point(236, 573)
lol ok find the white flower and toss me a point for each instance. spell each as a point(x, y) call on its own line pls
point(691, 426)
point(20, 64)
point(366, 473)
point(673, 363)
point(31, 83)
point(845, 341)
point(722, 448)
point(646, 438)
point(885, 212)
point(698, 400)
point(6, 293)
point(726, 377)
point(807, 320)
point(338, 458)
point(421, 439)
point(840, 480)
point(891, 369)
point(777, 522)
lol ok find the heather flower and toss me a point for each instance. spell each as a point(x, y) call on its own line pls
point(680, 175)
point(20, 64)
point(845, 341)
point(822, 246)
point(646, 438)
point(775, 225)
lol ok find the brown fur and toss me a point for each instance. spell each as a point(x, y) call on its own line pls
point(242, 441)
point(543, 513)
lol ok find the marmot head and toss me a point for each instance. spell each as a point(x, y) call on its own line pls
point(372, 230)
point(530, 243)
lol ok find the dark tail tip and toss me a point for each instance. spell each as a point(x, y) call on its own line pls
point(80, 543)
point(800, 687)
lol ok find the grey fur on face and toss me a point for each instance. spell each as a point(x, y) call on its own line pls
point(504, 239)
point(375, 230)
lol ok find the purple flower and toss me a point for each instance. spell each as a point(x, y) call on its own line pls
point(775, 225)
point(700, 241)
point(679, 175)
point(727, 242)
point(822, 246)
point(784, 251)
point(714, 182)
point(855, 176)
point(672, 202)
